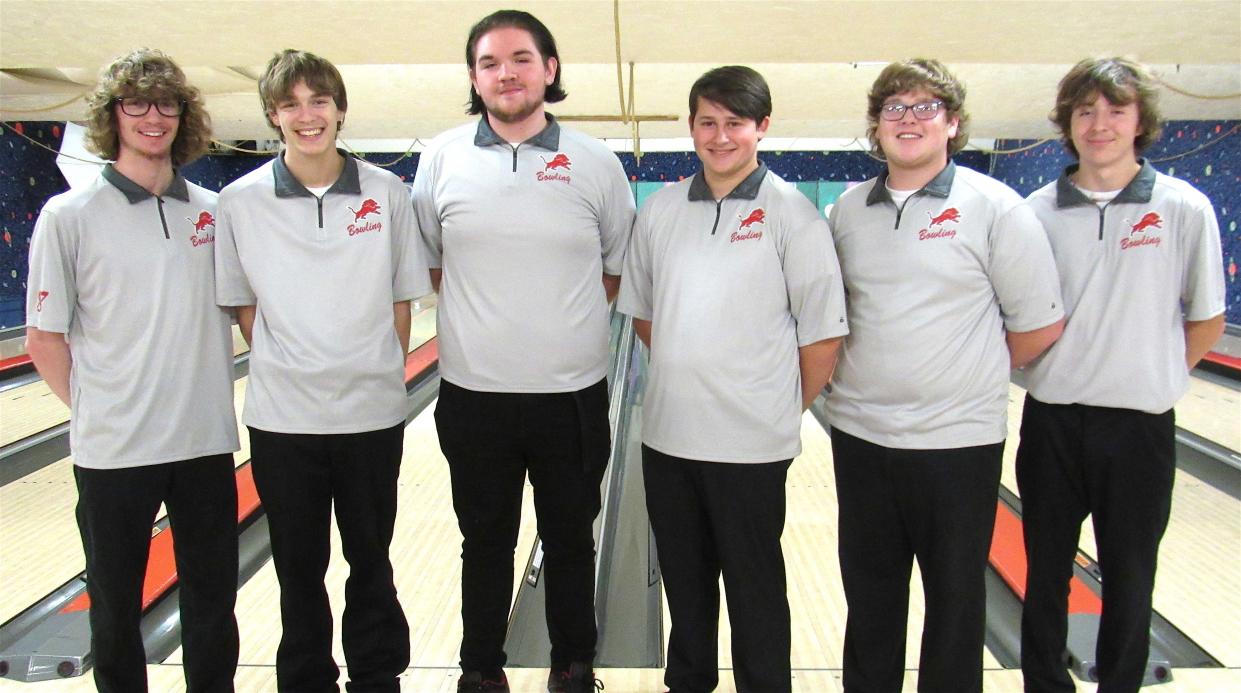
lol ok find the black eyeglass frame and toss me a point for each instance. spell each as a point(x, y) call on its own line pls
point(925, 110)
point(159, 106)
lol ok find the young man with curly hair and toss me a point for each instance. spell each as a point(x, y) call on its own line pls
point(1138, 255)
point(122, 269)
point(950, 283)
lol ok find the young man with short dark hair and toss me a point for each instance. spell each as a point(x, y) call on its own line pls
point(733, 285)
point(526, 225)
point(1138, 254)
point(319, 254)
point(123, 269)
point(950, 284)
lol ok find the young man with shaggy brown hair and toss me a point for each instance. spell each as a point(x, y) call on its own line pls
point(1138, 255)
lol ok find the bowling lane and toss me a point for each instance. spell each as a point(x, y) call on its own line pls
point(816, 598)
point(40, 547)
point(426, 551)
point(1198, 586)
point(1212, 411)
point(32, 408)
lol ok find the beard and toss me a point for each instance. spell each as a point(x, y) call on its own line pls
point(516, 115)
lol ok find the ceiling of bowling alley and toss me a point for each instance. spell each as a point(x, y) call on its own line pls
point(403, 61)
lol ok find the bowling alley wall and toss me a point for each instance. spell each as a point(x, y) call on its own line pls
point(1207, 154)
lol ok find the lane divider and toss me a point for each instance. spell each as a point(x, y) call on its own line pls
point(1008, 557)
point(161, 575)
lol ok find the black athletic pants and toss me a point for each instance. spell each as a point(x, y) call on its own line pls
point(711, 518)
point(897, 505)
point(1116, 465)
point(116, 509)
point(492, 440)
point(300, 479)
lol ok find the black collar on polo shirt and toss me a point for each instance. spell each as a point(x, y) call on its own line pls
point(745, 190)
point(288, 186)
point(135, 193)
point(939, 186)
point(1139, 189)
point(548, 138)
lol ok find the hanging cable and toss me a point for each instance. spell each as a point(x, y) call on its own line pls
point(40, 110)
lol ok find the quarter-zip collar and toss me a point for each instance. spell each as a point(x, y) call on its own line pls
point(177, 189)
point(939, 186)
point(288, 186)
point(548, 138)
point(747, 189)
point(1139, 189)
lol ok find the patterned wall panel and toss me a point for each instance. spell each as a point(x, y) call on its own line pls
point(1206, 154)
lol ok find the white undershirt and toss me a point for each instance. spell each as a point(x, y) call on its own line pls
point(318, 191)
point(1099, 198)
point(899, 196)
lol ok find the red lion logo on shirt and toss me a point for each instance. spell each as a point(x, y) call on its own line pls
point(204, 220)
point(369, 206)
point(1150, 220)
point(757, 216)
point(558, 161)
point(950, 214)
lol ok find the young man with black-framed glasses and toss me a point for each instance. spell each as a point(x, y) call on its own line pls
point(123, 270)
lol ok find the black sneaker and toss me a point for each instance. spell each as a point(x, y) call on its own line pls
point(579, 678)
point(473, 682)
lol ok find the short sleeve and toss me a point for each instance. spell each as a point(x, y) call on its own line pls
point(425, 209)
point(1022, 271)
point(410, 278)
point(617, 216)
point(232, 288)
point(812, 276)
point(51, 287)
point(1202, 290)
point(636, 282)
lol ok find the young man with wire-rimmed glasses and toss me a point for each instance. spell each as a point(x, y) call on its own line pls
point(319, 254)
point(122, 269)
point(949, 283)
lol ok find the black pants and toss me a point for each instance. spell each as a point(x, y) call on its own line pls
point(492, 440)
point(300, 478)
point(896, 505)
point(116, 509)
point(1117, 465)
point(711, 518)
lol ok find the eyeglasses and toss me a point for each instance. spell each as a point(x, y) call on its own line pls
point(922, 111)
point(136, 107)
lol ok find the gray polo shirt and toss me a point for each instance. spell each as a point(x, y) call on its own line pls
point(523, 235)
point(931, 290)
point(323, 273)
point(732, 289)
point(128, 276)
point(1132, 272)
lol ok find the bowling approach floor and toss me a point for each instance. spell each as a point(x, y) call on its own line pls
point(1199, 586)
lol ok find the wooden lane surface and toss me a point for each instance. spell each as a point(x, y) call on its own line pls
point(40, 547)
point(261, 679)
point(32, 408)
point(39, 543)
point(428, 531)
point(1198, 585)
point(1212, 411)
point(426, 551)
